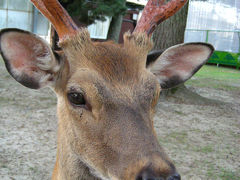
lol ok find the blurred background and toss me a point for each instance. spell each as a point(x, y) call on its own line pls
point(213, 21)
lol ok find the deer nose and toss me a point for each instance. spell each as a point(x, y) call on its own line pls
point(175, 176)
point(148, 175)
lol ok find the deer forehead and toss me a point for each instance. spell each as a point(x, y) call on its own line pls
point(113, 63)
point(96, 85)
point(107, 56)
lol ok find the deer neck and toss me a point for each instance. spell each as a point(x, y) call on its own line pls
point(69, 165)
point(65, 168)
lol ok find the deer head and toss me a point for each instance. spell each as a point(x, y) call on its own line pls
point(106, 93)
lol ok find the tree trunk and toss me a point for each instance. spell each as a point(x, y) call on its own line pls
point(115, 26)
point(171, 31)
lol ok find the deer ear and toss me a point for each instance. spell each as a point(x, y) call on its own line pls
point(179, 63)
point(153, 56)
point(28, 58)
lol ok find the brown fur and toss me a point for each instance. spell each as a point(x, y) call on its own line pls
point(111, 136)
point(116, 138)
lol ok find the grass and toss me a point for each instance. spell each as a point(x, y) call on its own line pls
point(223, 174)
point(1, 60)
point(218, 73)
point(180, 113)
point(228, 175)
point(34, 169)
point(175, 137)
point(214, 172)
point(222, 78)
point(4, 99)
point(205, 149)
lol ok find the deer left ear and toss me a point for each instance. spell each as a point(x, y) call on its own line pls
point(179, 63)
point(28, 58)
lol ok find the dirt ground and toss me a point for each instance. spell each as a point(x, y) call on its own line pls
point(202, 140)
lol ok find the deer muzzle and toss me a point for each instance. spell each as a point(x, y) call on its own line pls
point(139, 156)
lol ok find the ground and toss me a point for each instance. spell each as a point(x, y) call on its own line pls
point(203, 140)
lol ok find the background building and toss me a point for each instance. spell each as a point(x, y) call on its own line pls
point(213, 21)
point(23, 15)
point(99, 29)
point(216, 22)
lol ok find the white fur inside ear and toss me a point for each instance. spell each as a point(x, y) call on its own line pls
point(44, 60)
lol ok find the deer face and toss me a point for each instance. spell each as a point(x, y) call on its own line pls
point(106, 98)
point(112, 131)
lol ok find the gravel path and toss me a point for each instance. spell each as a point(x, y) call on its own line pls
point(204, 141)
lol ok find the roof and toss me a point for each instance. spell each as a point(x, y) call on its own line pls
point(140, 2)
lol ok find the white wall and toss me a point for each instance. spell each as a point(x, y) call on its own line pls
point(20, 14)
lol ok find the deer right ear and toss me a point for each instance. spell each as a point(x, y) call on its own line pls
point(28, 58)
point(179, 63)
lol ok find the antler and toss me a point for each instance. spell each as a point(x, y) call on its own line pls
point(58, 16)
point(156, 12)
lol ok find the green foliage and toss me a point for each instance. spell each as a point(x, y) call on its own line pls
point(87, 11)
point(134, 6)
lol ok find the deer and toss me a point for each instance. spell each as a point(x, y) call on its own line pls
point(106, 92)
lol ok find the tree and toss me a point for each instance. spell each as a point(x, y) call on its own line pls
point(115, 26)
point(170, 33)
point(87, 11)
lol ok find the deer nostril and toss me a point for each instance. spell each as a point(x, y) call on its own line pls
point(145, 178)
point(149, 174)
point(175, 176)
point(146, 174)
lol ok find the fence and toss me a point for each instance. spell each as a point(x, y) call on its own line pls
point(226, 43)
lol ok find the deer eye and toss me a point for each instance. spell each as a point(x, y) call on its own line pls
point(76, 98)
